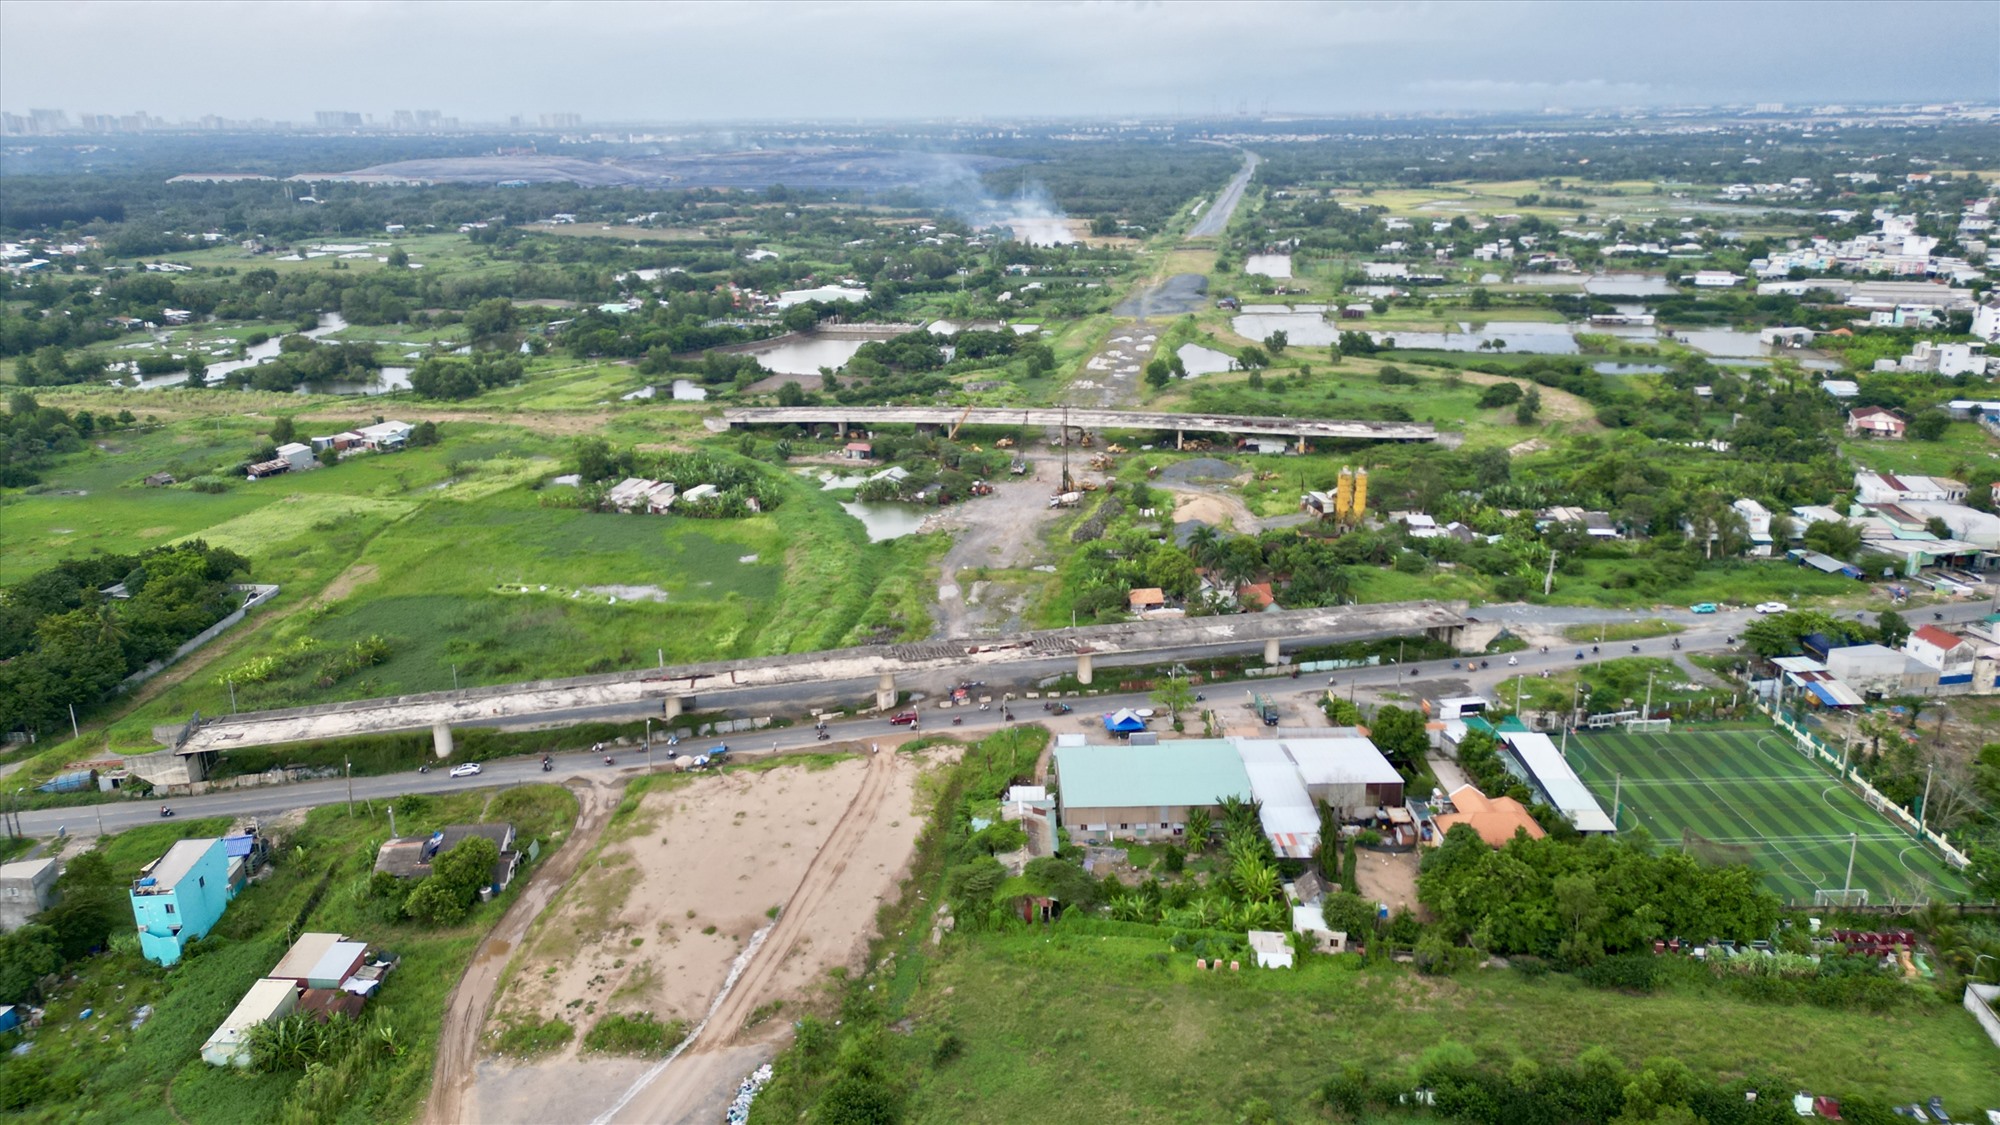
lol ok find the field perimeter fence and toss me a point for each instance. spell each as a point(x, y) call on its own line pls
point(1818, 751)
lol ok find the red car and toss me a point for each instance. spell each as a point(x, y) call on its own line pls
point(907, 718)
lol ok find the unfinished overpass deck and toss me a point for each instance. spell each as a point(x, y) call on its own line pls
point(666, 691)
point(1045, 417)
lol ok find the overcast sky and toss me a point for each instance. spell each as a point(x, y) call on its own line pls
point(682, 62)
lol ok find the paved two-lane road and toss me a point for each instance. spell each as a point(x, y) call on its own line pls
point(1216, 218)
point(1705, 633)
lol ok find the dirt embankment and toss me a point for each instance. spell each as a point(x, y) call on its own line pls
point(661, 915)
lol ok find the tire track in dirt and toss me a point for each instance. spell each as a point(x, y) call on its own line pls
point(826, 869)
point(672, 1095)
point(465, 1013)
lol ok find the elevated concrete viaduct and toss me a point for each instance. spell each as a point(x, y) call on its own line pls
point(1300, 430)
point(885, 669)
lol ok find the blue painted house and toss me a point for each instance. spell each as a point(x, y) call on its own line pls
point(180, 897)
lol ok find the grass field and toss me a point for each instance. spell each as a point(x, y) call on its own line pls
point(105, 1071)
point(1150, 1039)
point(1755, 799)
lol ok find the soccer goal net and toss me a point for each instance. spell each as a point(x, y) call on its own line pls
point(1848, 896)
point(1656, 726)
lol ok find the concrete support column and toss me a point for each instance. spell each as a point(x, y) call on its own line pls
point(843, 428)
point(1083, 672)
point(1180, 439)
point(885, 692)
point(1302, 443)
point(441, 739)
point(1271, 653)
point(670, 707)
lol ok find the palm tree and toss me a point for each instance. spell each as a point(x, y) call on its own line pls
point(110, 630)
point(1204, 543)
point(1196, 829)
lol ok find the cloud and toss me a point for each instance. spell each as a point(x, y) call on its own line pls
point(693, 61)
point(1511, 93)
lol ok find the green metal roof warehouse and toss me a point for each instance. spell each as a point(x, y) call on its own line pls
point(1103, 789)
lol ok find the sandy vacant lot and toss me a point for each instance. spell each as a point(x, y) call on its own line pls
point(675, 896)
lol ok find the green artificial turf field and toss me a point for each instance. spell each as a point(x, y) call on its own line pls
point(1749, 796)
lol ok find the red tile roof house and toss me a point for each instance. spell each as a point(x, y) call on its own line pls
point(1875, 422)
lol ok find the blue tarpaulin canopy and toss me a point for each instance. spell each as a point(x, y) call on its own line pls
point(1123, 721)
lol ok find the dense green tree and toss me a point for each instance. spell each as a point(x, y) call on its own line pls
point(1399, 734)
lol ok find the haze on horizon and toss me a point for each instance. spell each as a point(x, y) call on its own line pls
point(693, 62)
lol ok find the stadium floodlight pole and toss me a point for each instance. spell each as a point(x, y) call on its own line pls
point(1617, 798)
point(1853, 843)
point(1648, 712)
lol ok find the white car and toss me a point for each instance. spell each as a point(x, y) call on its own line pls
point(1772, 607)
point(469, 769)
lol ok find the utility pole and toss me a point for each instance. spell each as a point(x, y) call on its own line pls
point(1549, 580)
point(350, 786)
point(1648, 712)
point(1853, 843)
point(232, 697)
point(649, 744)
point(454, 677)
point(1617, 798)
point(1923, 820)
point(74, 732)
point(392, 821)
point(1519, 679)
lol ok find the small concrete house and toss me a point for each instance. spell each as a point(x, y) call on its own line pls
point(383, 437)
point(180, 896)
point(1272, 949)
point(1950, 654)
point(1496, 819)
point(298, 455)
point(1875, 422)
point(266, 1001)
point(409, 857)
point(319, 960)
point(27, 887)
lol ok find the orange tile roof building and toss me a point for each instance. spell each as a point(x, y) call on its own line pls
point(1496, 819)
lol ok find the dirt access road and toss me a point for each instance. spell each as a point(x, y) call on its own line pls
point(465, 1014)
point(1001, 532)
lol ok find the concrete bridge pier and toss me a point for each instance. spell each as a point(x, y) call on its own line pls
point(1271, 653)
point(1180, 439)
point(885, 692)
point(1083, 671)
point(843, 430)
point(670, 707)
point(441, 739)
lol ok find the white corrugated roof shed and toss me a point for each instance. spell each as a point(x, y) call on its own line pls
point(1286, 811)
point(1309, 919)
point(1565, 790)
point(1336, 761)
point(338, 958)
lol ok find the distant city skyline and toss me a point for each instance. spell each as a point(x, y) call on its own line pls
point(566, 64)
